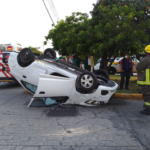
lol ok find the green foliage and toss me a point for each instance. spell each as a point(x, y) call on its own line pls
point(139, 5)
point(114, 29)
point(117, 32)
point(19, 44)
point(66, 34)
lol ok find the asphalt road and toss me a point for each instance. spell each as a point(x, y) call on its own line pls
point(117, 126)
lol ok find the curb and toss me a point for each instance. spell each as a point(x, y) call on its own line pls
point(6, 80)
point(120, 79)
point(129, 96)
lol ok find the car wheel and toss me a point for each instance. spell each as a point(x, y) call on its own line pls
point(112, 71)
point(25, 57)
point(102, 72)
point(87, 81)
point(49, 53)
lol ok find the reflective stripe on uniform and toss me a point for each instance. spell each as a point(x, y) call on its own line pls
point(147, 103)
point(147, 74)
point(143, 83)
point(147, 82)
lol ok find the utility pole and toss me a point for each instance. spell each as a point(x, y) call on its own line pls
point(48, 13)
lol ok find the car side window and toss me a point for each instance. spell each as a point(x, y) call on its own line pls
point(29, 86)
point(5, 57)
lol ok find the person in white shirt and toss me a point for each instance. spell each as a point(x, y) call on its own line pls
point(71, 60)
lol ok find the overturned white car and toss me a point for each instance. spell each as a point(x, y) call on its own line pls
point(57, 82)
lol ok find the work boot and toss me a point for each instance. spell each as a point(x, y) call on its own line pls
point(145, 112)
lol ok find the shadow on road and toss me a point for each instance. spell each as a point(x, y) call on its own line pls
point(9, 85)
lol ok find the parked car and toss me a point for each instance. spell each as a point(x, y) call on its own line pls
point(97, 66)
point(54, 81)
point(115, 67)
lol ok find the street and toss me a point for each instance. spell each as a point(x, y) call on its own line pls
point(116, 126)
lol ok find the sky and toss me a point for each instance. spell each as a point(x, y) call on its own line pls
point(27, 22)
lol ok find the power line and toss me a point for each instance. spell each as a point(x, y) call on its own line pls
point(53, 9)
point(48, 13)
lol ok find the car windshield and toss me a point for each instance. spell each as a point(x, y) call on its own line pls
point(99, 61)
point(110, 60)
point(135, 59)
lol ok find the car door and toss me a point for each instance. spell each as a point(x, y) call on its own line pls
point(54, 86)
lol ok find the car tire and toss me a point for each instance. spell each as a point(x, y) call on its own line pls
point(49, 53)
point(102, 73)
point(87, 82)
point(112, 70)
point(25, 57)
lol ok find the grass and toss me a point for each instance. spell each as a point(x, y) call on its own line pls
point(132, 84)
point(118, 77)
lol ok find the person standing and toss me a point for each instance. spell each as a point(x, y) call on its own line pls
point(77, 61)
point(85, 62)
point(71, 60)
point(143, 70)
point(101, 66)
point(126, 67)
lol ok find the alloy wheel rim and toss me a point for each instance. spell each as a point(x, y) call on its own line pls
point(87, 81)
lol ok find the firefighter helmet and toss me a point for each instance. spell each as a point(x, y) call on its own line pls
point(147, 49)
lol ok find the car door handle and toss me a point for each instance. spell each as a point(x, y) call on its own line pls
point(24, 76)
point(42, 92)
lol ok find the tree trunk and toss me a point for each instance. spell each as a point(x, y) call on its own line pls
point(104, 60)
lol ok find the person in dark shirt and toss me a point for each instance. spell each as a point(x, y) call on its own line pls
point(101, 65)
point(85, 63)
point(126, 67)
point(77, 61)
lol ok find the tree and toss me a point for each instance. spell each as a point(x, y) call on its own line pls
point(112, 31)
point(65, 34)
point(19, 44)
point(117, 31)
point(139, 5)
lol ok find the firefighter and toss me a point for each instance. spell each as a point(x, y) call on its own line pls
point(143, 70)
